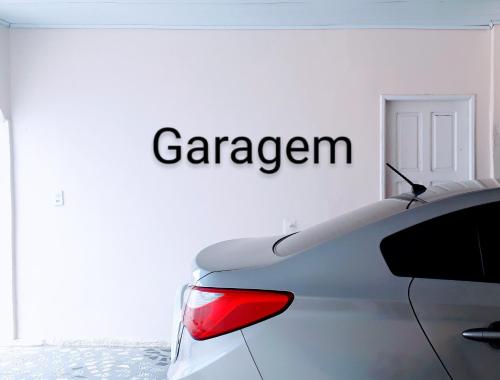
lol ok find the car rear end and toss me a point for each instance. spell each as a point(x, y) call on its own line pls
point(207, 341)
point(209, 331)
point(320, 304)
point(223, 357)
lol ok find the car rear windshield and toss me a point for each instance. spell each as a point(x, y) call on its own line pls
point(465, 247)
point(339, 226)
point(372, 213)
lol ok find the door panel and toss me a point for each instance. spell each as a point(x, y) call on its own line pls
point(429, 141)
point(454, 262)
point(408, 134)
point(447, 308)
point(444, 142)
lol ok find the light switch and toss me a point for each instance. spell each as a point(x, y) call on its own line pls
point(59, 198)
point(290, 226)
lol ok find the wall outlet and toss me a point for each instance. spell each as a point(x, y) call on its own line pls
point(59, 198)
point(290, 226)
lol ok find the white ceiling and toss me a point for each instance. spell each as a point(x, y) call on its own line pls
point(250, 13)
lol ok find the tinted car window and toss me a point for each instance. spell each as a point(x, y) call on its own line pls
point(489, 239)
point(446, 247)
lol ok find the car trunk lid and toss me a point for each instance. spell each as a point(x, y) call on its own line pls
point(236, 254)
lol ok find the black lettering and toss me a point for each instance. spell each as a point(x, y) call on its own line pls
point(276, 159)
point(218, 142)
point(175, 148)
point(290, 149)
point(269, 149)
point(203, 149)
point(247, 149)
point(332, 142)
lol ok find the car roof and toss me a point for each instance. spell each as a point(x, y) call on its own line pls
point(445, 190)
point(351, 221)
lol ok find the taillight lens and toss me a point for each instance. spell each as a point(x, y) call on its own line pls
point(212, 312)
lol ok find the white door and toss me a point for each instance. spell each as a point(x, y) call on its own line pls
point(6, 271)
point(430, 141)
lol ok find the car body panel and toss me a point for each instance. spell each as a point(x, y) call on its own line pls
point(454, 193)
point(337, 227)
point(347, 305)
point(177, 325)
point(224, 357)
point(447, 308)
point(343, 338)
point(250, 253)
point(453, 189)
point(351, 317)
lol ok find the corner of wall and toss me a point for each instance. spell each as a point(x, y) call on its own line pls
point(5, 104)
point(494, 107)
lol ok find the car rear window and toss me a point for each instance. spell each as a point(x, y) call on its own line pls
point(446, 247)
point(339, 226)
point(489, 239)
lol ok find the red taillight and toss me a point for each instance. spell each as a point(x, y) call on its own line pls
point(211, 312)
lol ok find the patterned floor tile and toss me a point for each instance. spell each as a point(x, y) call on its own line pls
point(93, 363)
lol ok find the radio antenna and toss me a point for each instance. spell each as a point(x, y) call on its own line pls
point(416, 189)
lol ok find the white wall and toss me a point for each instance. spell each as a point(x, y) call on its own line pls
point(6, 295)
point(85, 106)
point(4, 71)
point(495, 98)
point(7, 331)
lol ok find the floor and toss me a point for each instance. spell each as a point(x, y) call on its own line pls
point(58, 363)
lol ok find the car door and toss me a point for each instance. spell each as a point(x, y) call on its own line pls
point(455, 292)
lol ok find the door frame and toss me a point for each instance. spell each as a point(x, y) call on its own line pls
point(384, 99)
